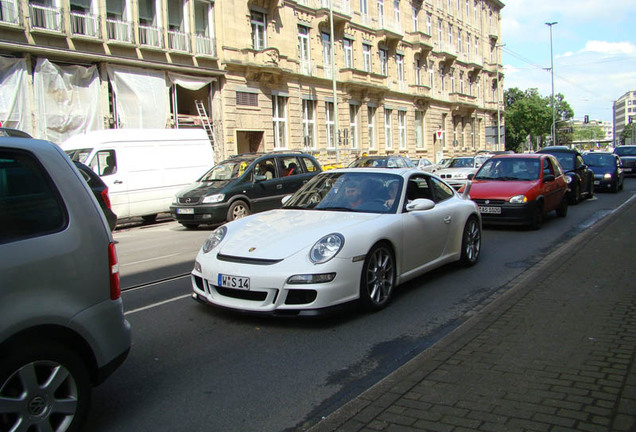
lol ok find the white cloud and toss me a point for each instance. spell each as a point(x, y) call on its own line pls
point(609, 47)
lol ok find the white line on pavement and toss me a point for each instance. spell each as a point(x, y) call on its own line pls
point(156, 304)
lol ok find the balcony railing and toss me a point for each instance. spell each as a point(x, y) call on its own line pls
point(179, 40)
point(150, 36)
point(9, 12)
point(118, 30)
point(44, 17)
point(84, 24)
point(204, 45)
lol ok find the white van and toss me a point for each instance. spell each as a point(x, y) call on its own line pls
point(143, 168)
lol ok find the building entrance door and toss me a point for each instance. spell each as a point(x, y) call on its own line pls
point(249, 141)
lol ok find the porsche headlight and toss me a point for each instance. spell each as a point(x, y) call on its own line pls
point(213, 199)
point(518, 199)
point(215, 238)
point(326, 248)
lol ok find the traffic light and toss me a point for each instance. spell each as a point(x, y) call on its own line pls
point(586, 119)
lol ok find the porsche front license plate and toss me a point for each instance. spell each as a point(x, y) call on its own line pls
point(490, 210)
point(236, 282)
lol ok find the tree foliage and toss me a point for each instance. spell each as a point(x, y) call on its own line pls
point(529, 115)
point(582, 133)
point(629, 132)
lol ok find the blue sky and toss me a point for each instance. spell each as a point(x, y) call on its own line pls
point(594, 48)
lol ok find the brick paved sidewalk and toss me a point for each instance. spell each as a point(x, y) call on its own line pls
point(554, 353)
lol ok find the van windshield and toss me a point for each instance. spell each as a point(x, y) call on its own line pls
point(79, 155)
point(226, 170)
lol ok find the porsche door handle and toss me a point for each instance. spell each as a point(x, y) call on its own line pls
point(448, 219)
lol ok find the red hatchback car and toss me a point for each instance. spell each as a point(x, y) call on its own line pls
point(520, 189)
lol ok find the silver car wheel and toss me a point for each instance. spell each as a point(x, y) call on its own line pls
point(471, 242)
point(378, 277)
point(41, 394)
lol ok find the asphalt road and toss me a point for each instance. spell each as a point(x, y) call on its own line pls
point(197, 369)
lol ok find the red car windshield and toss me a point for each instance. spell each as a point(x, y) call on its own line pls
point(509, 169)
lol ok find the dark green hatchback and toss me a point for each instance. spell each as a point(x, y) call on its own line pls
point(241, 185)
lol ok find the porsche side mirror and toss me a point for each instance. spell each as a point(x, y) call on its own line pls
point(420, 204)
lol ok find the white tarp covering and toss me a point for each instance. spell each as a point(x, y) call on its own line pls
point(67, 100)
point(142, 99)
point(189, 82)
point(14, 88)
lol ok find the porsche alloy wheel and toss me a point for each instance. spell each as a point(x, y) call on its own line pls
point(378, 278)
point(471, 243)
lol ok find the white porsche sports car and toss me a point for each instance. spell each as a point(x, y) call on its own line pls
point(347, 235)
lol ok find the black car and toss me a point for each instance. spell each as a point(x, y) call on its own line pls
point(579, 177)
point(627, 153)
point(100, 190)
point(608, 170)
point(382, 162)
point(243, 184)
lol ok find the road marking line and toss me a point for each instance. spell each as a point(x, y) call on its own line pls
point(157, 304)
point(150, 259)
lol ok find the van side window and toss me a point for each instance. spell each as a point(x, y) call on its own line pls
point(104, 163)
point(29, 202)
point(309, 164)
point(290, 166)
point(266, 168)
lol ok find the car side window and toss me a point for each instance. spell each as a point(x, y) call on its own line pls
point(547, 167)
point(104, 163)
point(267, 168)
point(417, 187)
point(579, 162)
point(30, 204)
point(289, 166)
point(441, 190)
point(310, 165)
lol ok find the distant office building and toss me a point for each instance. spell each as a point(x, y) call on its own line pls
point(624, 113)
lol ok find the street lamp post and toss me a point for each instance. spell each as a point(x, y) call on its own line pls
point(552, 128)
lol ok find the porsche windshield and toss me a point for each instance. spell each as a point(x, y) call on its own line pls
point(509, 169)
point(227, 170)
point(347, 191)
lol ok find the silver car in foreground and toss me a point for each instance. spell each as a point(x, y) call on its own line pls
point(62, 328)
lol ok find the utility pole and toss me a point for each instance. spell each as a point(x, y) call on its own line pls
point(553, 128)
point(498, 98)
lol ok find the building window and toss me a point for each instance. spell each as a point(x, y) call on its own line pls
point(396, 12)
point(364, 10)
point(366, 55)
point(468, 44)
point(452, 81)
point(418, 72)
point(371, 126)
point(326, 53)
point(461, 82)
point(330, 125)
point(459, 41)
point(399, 60)
point(402, 130)
point(246, 99)
point(442, 77)
point(303, 49)
point(429, 24)
point(439, 34)
point(309, 124)
point(388, 130)
point(347, 44)
point(384, 66)
point(419, 130)
point(450, 36)
point(259, 35)
point(279, 109)
point(353, 126)
point(381, 13)
point(431, 74)
point(415, 12)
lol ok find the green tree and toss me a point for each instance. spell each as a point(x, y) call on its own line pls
point(529, 115)
point(629, 132)
point(588, 133)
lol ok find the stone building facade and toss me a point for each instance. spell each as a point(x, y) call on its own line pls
point(338, 78)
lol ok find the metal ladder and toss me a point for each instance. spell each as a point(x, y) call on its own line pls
point(205, 121)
